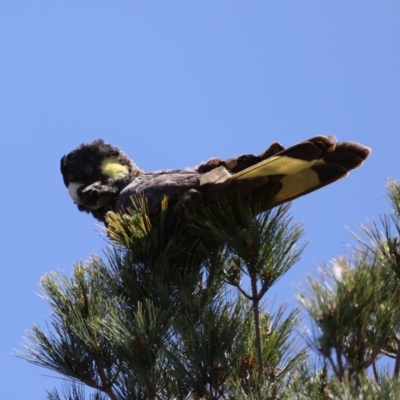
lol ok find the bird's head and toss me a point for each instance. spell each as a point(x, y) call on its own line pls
point(95, 174)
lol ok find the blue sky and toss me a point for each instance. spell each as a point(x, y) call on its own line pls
point(174, 83)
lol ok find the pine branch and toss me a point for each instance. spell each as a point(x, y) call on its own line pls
point(160, 319)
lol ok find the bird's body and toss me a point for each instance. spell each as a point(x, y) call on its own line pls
point(101, 178)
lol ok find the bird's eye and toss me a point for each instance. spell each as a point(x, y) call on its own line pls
point(88, 170)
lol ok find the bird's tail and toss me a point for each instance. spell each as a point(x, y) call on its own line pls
point(291, 173)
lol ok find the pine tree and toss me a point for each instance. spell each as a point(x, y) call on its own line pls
point(354, 307)
point(178, 311)
point(175, 310)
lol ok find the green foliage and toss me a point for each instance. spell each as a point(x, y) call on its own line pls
point(167, 314)
point(177, 310)
point(352, 315)
point(73, 391)
point(355, 308)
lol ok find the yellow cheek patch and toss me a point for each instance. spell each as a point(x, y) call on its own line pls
point(113, 168)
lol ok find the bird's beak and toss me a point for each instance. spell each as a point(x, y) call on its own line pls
point(73, 191)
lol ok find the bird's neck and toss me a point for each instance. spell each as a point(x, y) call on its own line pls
point(134, 172)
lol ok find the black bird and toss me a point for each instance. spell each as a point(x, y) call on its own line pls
point(101, 178)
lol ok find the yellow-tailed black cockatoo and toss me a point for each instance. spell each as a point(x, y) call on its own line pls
point(101, 178)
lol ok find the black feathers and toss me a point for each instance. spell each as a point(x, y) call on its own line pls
point(95, 174)
point(101, 178)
